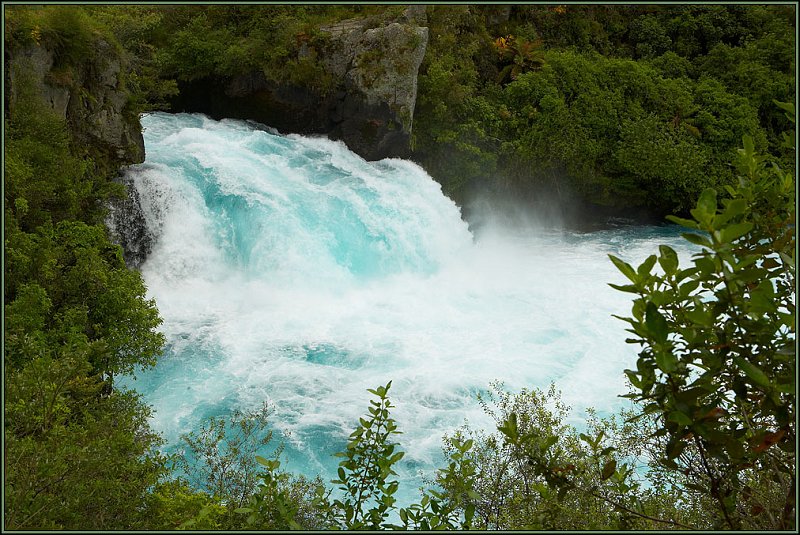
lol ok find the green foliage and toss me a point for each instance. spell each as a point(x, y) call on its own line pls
point(367, 466)
point(668, 62)
point(173, 504)
point(83, 291)
point(671, 65)
point(197, 49)
point(78, 453)
point(44, 180)
point(67, 31)
point(717, 366)
point(220, 42)
point(72, 463)
point(283, 501)
point(537, 472)
point(223, 483)
point(657, 155)
point(626, 132)
point(650, 37)
point(521, 55)
point(622, 131)
point(137, 29)
point(452, 507)
point(221, 458)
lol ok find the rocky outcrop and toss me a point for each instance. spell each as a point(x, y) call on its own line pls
point(92, 99)
point(90, 96)
point(374, 65)
point(379, 66)
point(127, 225)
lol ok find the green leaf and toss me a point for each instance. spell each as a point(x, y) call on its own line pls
point(630, 288)
point(668, 260)
point(735, 231)
point(735, 207)
point(700, 316)
point(509, 427)
point(697, 239)
point(262, 461)
point(748, 144)
point(633, 378)
point(625, 268)
point(469, 513)
point(688, 287)
point(685, 273)
point(679, 418)
point(688, 223)
point(788, 107)
point(646, 266)
point(706, 265)
point(762, 299)
point(666, 361)
point(656, 323)
point(707, 203)
point(752, 371)
point(609, 469)
point(674, 447)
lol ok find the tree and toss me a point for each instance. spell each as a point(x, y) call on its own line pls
point(715, 383)
point(221, 458)
point(717, 367)
point(520, 54)
point(282, 501)
point(78, 454)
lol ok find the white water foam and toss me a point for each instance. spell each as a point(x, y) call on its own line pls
point(289, 269)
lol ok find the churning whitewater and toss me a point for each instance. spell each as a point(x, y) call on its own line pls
point(290, 270)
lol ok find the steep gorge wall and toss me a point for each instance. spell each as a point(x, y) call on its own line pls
point(374, 65)
point(92, 98)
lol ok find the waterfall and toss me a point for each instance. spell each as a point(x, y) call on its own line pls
point(288, 269)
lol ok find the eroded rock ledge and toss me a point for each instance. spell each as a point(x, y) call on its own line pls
point(374, 65)
point(91, 97)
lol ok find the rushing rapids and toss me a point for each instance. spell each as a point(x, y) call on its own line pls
point(288, 269)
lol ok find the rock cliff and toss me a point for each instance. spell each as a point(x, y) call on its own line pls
point(92, 99)
point(90, 96)
point(374, 64)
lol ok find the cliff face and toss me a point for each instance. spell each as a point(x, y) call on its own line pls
point(374, 65)
point(91, 97)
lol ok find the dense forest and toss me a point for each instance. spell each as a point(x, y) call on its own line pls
point(640, 111)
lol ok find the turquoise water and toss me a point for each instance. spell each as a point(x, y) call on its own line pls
point(290, 270)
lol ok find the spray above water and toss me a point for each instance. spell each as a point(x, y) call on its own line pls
point(288, 269)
